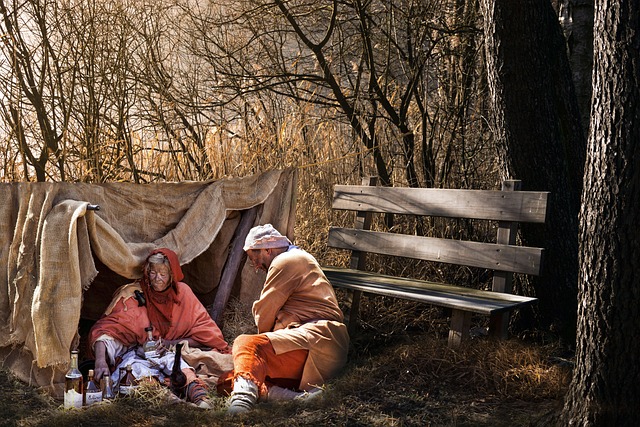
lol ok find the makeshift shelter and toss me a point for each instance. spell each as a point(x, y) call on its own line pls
point(61, 258)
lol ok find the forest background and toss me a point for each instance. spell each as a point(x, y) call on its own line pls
point(421, 93)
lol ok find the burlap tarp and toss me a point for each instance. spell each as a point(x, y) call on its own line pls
point(60, 263)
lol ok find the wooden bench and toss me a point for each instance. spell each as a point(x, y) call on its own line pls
point(506, 208)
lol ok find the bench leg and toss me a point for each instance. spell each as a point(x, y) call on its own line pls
point(460, 325)
point(499, 325)
point(352, 310)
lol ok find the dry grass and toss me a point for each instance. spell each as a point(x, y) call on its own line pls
point(413, 380)
point(396, 376)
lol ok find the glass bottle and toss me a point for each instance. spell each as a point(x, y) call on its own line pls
point(107, 388)
point(73, 384)
point(92, 393)
point(122, 371)
point(128, 383)
point(150, 346)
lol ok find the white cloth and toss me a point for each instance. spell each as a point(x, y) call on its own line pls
point(113, 347)
point(159, 367)
point(265, 237)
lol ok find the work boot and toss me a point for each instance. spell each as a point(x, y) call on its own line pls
point(243, 397)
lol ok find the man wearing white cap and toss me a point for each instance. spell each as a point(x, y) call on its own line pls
point(301, 340)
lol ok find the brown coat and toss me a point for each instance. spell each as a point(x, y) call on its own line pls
point(298, 309)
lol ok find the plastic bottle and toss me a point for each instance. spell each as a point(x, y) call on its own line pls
point(73, 384)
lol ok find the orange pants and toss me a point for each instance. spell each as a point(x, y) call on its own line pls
point(255, 359)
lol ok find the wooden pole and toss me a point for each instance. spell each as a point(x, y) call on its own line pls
point(234, 262)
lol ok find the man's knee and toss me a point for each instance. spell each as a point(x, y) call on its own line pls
point(253, 343)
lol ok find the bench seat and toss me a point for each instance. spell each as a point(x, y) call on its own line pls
point(450, 296)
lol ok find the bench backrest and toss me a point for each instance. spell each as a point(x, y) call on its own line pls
point(507, 207)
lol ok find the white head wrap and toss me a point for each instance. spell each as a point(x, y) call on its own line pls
point(265, 236)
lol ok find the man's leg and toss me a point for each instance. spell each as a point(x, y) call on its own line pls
point(254, 359)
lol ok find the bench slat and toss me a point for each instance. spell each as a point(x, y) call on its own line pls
point(521, 206)
point(516, 259)
point(455, 297)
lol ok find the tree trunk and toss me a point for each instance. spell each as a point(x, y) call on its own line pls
point(576, 18)
point(537, 129)
point(606, 380)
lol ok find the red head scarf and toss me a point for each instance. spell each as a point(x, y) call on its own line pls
point(160, 304)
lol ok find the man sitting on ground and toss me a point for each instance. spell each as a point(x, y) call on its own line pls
point(301, 340)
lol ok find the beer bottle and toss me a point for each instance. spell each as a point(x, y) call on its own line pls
point(121, 373)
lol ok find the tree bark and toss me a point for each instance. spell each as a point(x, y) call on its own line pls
point(576, 18)
point(536, 125)
point(606, 379)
